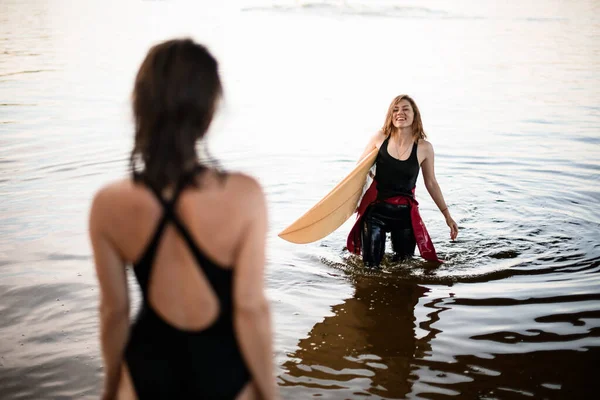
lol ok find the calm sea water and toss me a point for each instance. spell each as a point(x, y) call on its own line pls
point(509, 95)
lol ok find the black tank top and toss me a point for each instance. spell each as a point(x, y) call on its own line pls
point(395, 177)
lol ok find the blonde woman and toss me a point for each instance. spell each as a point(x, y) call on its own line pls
point(389, 206)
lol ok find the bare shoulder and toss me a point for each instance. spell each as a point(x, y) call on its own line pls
point(378, 138)
point(425, 145)
point(107, 199)
point(379, 135)
point(111, 193)
point(246, 188)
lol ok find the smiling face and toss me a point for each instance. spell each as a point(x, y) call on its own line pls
point(403, 114)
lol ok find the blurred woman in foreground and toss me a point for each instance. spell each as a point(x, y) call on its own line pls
point(196, 239)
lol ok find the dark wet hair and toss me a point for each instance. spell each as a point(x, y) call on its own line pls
point(175, 96)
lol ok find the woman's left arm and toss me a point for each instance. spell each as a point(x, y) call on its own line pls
point(114, 298)
point(434, 188)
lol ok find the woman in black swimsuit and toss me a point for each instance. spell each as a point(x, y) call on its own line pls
point(403, 151)
point(196, 240)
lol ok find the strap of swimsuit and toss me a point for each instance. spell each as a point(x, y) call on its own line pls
point(169, 214)
point(414, 149)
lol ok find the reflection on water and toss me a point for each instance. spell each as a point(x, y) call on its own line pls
point(387, 341)
point(366, 347)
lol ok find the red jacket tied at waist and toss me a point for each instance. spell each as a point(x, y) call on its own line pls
point(422, 237)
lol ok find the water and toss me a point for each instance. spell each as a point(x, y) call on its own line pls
point(509, 95)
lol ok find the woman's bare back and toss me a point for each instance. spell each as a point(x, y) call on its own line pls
point(214, 216)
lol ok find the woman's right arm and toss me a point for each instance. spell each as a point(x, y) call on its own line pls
point(251, 308)
point(114, 297)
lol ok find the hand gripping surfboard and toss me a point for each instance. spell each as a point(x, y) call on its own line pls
point(332, 210)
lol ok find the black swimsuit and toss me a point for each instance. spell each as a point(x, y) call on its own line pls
point(170, 363)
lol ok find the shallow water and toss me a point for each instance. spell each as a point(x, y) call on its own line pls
point(509, 96)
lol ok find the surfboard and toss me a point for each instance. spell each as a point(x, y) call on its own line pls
point(334, 209)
